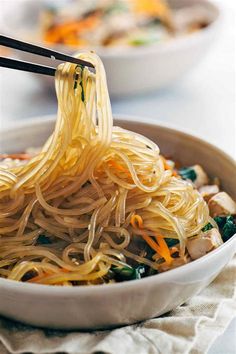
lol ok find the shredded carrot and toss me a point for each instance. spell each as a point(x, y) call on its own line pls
point(175, 173)
point(151, 242)
point(119, 167)
point(59, 33)
point(158, 256)
point(164, 250)
point(15, 156)
point(136, 218)
point(168, 167)
point(152, 8)
point(161, 247)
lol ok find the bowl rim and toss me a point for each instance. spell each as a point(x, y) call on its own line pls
point(50, 118)
point(171, 44)
point(98, 289)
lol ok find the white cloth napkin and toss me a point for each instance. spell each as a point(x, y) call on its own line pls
point(190, 329)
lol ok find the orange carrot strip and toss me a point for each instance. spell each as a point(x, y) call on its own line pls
point(16, 156)
point(160, 247)
point(119, 167)
point(60, 32)
point(175, 173)
point(136, 218)
point(164, 250)
point(151, 242)
point(168, 167)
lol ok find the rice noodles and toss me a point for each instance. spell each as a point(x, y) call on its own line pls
point(95, 192)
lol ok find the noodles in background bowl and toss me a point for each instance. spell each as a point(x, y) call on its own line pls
point(96, 200)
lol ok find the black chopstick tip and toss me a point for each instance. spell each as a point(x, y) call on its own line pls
point(42, 51)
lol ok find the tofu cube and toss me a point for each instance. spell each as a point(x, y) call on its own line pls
point(205, 242)
point(221, 204)
point(202, 178)
point(208, 191)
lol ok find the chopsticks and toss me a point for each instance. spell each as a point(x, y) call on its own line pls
point(34, 49)
point(25, 66)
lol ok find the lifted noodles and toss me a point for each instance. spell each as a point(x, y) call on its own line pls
point(95, 198)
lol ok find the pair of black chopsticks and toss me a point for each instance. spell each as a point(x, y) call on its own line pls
point(34, 49)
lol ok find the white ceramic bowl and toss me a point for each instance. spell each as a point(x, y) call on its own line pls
point(133, 70)
point(101, 306)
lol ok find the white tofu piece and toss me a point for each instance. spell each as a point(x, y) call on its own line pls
point(205, 242)
point(202, 178)
point(208, 191)
point(221, 204)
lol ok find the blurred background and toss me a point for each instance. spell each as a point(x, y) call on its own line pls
point(171, 61)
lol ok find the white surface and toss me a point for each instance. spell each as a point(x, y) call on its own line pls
point(203, 102)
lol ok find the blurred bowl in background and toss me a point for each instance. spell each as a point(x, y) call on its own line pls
point(131, 70)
